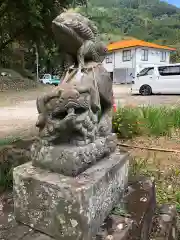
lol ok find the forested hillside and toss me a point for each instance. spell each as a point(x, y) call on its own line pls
point(25, 27)
point(150, 20)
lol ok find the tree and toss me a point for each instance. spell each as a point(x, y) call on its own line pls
point(27, 23)
point(29, 20)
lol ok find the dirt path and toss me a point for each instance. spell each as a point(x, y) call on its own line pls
point(18, 109)
point(18, 112)
point(18, 119)
point(10, 98)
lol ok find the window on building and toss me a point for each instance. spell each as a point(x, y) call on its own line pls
point(163, 56)
point(126, 55)
point(169, 70)
point(146, 71)
point(109, 58)
point(144, 56)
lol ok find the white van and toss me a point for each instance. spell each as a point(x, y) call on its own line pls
point(164, 79)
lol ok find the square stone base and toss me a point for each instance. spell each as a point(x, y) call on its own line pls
point(67, 207)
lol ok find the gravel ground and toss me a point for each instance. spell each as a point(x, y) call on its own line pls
point(18, 114)
point(123, 97)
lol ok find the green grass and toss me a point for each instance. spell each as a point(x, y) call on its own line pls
point(129, 122)
point(8, 141)
point(6, 179)
point(6, 167)
point(153, 121)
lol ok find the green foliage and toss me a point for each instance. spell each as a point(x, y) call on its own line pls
point(125, 123)
point(156, 121)
point(6, 169)
point(6, 176)
point(154, 20)
point(26, 24)
point(29, 20)
point(8, 141)
point(175, 57)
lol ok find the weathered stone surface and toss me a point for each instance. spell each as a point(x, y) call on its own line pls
point(165, 223)
point(78, 40)
point(9, 228)
point(75, 123)
point(73, 160)
point(76, 112)
point(137, 209)
point(36, 236)
point(140, 203)
point(117, 228)
point(66, 207)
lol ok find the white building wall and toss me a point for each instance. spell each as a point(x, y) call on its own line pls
point(119, 63)
point(122, 70)
point(109, 65)
point(154, 58)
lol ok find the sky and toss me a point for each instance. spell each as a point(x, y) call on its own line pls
point(175, 2)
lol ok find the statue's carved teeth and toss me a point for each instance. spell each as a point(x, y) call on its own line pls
point(70, 110)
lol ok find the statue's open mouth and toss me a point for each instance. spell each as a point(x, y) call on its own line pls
point(73, 110)
point(71, 107)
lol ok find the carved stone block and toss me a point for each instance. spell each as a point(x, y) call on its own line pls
point(69, 207)
point(117, 228)
point(165, 223)
point(141, 205)
point(73, 160)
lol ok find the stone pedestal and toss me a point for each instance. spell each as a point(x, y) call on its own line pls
point(69, 207)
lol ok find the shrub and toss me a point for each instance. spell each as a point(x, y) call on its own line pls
point(157, 121)
point(125, 122)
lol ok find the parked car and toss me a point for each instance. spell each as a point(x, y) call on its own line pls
point(163, 79)
point(50, 79)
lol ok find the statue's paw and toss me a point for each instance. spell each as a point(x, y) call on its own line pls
point(70, 120)
point(111, 141)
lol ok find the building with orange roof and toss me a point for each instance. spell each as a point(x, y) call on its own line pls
point(127, 57)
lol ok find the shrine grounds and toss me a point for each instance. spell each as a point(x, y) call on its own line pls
point(148, 127)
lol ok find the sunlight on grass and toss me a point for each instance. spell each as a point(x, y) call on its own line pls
point(156, 121)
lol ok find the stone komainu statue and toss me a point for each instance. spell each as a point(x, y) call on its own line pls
point(74, 122)
point(78, 40)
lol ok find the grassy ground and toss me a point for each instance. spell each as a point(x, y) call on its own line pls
point(163, 167)
point(153, 127)
point(152, 121)
point(8, 141)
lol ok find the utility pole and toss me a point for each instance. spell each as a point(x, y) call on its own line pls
point(37, 64)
